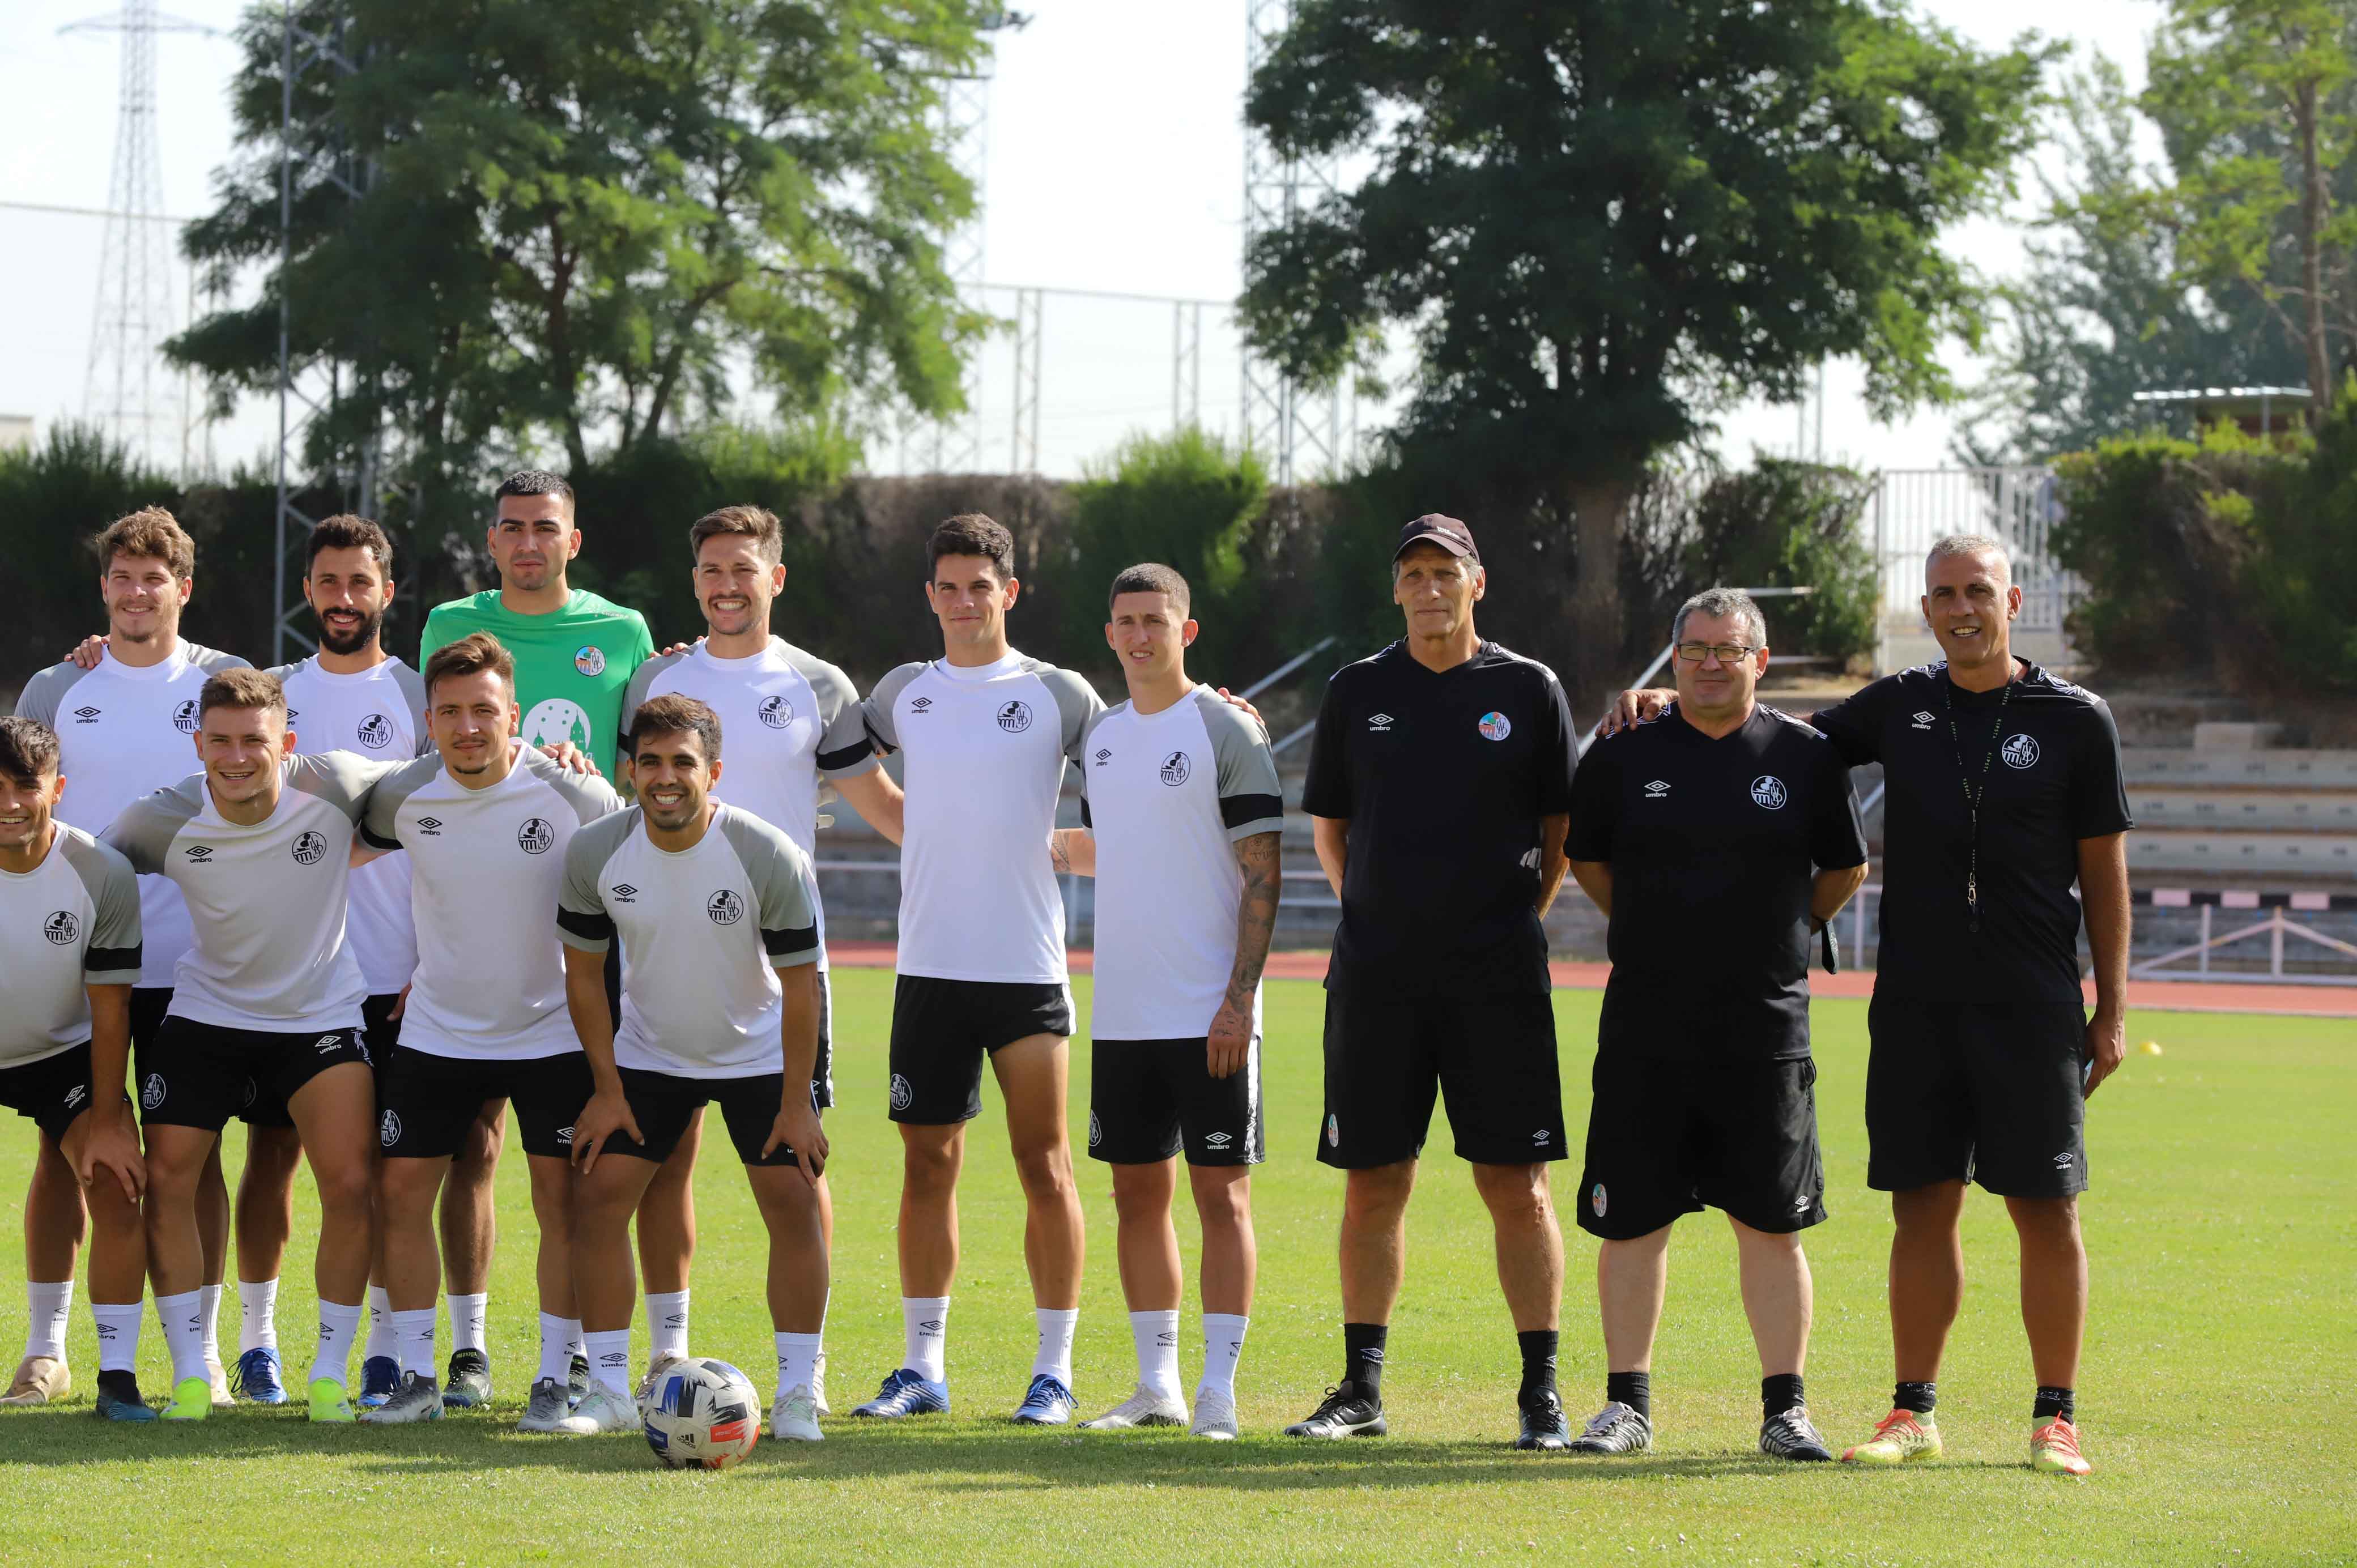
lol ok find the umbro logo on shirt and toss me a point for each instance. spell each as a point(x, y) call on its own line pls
point(1923, 720)
point(920, 705)
point(624, 892)
point(201, 853)
point(1103, 757)
point(375, 732)
point(430, 826)
point(1380, 723)
point(86, 715)
point(1657, 789)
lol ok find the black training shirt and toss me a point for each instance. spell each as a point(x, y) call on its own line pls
point(1443, 777)
point(2055, 779)
point(1713, 846)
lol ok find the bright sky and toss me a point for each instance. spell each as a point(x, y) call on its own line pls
point(1115, 155)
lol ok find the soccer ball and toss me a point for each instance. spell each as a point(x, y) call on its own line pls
point(702, 1416)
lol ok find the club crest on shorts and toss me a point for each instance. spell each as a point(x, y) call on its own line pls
point(151, 1093)
point(375, 732)
point(310, 847)
point(725, 907)
point(388, 1129)
point(590, 661)
point(1175, 768)
point(61, 927)
point(2019, 751)
point(1496, 726)
point(535, 836)
point(776, 712)
point(184, 717)
point(1096, 1130)
point(1015, 717)
point(1596, 1200)
point(1333, 1132)
point(1768, 792)
point(901, 1093)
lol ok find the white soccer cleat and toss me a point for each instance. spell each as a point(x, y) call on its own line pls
point(1215, 1415)
point(795, 1416)
point(218, 1374)
point(550, 1403)
point(602, 1411)
point(818, 1386)
point(1146, 1407)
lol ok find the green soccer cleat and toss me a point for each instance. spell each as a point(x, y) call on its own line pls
point(331, 1401)
point(192, 1400)
point(1902, 1437)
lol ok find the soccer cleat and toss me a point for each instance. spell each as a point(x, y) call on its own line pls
point(414, 1397)
point(657, 1367)
point(1343, 1413)
point(217, 1375)
point(1616, 1429)
point(1899, 1438)
point(2054, 1449)
point(255, 1378)
point(577, 1381)
point(1544, 1428)
point(468, 1385)
point(1046, 1403)
point(818, 1386)
point(602, 1411)
point(1146, 1407)
point(795, 1416)
point(906, 1393)
point(1215, 1415)
point(1793, 1435)
point(551, 1403)
point(192, 1400)
point(379, 1379)
point(125, 1406)
point(331, 1401)
point(40, 1379)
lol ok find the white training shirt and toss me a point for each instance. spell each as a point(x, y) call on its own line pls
point(1168, 795)
point(123, 733)
point(267, 901)
point(71, 921)
point(486, 869)
point(987, 748)
point(379, 714)
point(702, 930)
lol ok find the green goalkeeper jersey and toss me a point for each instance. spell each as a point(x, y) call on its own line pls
point(572, 665)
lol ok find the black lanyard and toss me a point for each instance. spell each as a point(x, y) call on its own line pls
point(1974, 794)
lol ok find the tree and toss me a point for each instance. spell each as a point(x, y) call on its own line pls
point(1597, 218)
point(518, 220)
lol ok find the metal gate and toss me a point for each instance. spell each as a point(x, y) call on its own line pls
point(1914, 507)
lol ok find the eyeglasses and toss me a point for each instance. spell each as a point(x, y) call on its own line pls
point(1727, 652)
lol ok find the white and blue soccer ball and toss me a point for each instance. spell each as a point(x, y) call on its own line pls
point(702, 1416)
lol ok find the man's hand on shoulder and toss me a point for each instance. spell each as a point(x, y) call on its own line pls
point(1632, 708)
point(571, 757)
point(88, 652)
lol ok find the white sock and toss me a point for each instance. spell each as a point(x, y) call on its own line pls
point(209, 1304)
point(258, 1305)
point(556, 1347)
point(1223, 1347)
point(339, 1326)
point(118, 1335)
point(412, 1336)
point(925, 1319)
point(609, 1360)
point(667, 1323)
point(1156, 1334)
point(797, 1355)
point(48, 1306)
point(383, 1339)
point(467, 1314)
point(184, 1331)
point(1056, 1329)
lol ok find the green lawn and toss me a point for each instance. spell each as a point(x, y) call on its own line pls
point(2220, 1226)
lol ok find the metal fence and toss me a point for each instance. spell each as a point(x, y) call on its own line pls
point(1913, 507)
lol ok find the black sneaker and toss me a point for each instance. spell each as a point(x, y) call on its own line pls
point(1543, 1426)
point(469, 1386)
point(1792, 1436)
point(1344, 1414)
point(1615, 1429)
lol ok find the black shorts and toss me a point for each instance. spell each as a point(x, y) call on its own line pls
point(1148, 1098)
point(200, 1074)
point(1494, 1057)
point(149, 1004)
point(428, 1102)
point(663, 1103)
point(52, 1091)
point(1667, 1134)
point(1985, 1091)
point(942, 1030)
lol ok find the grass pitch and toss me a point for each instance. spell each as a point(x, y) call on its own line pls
point(2217, 1377)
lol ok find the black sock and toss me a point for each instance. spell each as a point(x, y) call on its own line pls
point(1634, 1389)
point(2052, 1401)
point(1917, 1397)
point(1538, 1362)
point(123, 1385)
point(1781, 1394)
point(1362, 1356)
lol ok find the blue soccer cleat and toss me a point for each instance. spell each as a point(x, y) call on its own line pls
point(380, 1378)
point(1046, 1403)
point(255, 1378)
point(906, 1393)
point(122, 1401)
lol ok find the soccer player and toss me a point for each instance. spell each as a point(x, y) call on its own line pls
point(121, 709)
point(574, 655)
point(1439, 781)
point(68, 956)
point(794, 725)
point(267, 999)
point(717, 915)
point(1718, 840)
point(987, 731)
point(1186, 818)
point(486, 821)
point(2004, 789)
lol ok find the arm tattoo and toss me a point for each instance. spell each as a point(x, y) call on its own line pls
point(1256, 917)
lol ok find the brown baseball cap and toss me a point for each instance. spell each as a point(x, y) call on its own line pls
point(1433, 527)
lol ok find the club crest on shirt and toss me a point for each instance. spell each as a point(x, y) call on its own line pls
point(1015, 717)
point(535, 836)
point(2019, 751)
point(310, 847)
point(61, 927)
point(590, 661)
point(1496, 726)
point(184, 717)
point(776, 712)
point(1175, 768)
point(375, 732)
point(1768, 792)
point(725, 907)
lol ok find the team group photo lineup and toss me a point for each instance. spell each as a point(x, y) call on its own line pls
point(533, 880)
